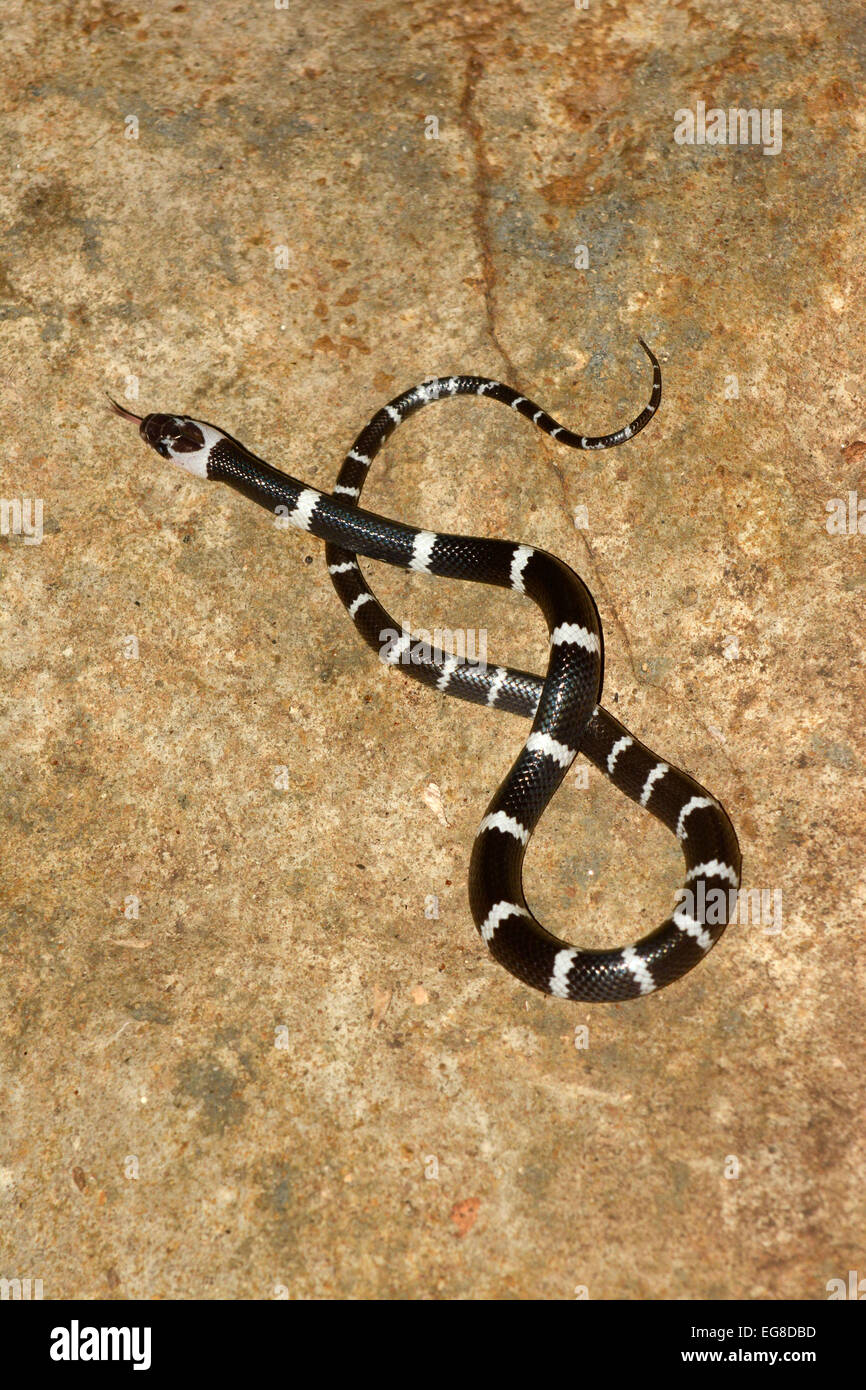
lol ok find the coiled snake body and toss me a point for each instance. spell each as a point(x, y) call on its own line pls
point(563, 705)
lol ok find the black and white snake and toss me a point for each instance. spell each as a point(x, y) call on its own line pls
point(563, 705)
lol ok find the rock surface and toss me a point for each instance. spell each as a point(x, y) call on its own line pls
point(251, 1043)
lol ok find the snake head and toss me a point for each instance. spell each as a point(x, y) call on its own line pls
point(171, 435)
point(186, 442)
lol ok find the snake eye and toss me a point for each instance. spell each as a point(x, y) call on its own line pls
point(154, 431)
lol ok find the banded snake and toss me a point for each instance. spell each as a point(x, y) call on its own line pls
point(564, 707)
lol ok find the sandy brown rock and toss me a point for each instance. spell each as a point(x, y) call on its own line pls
point(237, 1054)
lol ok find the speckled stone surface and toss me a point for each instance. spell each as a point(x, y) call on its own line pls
point(241, 1055)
